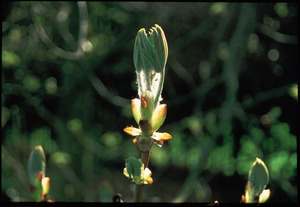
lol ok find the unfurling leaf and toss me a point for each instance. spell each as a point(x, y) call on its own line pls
point(134, 169)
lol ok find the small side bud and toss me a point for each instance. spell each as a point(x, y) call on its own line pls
point(259, 176)
point(132, 169)
point(135, 170)
point(257, 181)
point(39, 184)
point(36, 163)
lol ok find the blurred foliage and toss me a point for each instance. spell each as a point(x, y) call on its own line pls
point(230, 87)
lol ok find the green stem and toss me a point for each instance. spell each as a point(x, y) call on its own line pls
point(139, 188)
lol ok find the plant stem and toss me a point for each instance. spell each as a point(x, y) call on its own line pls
point(145, 158)
point(139, 192)
point(139, 188)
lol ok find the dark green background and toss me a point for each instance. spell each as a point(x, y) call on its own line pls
point(230, 87)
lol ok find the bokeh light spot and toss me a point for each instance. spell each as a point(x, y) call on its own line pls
point(273, 55)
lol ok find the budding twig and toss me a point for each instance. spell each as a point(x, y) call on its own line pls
point(150, 57)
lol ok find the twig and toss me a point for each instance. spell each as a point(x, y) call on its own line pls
point(266, 95)
point(279, 37)
point(105, 93)
point(182, 72)
point(244, 27)
point(139, 188)
point(139, 192)
point(83, 30)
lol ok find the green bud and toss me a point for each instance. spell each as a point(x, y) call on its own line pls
point(36, 163)
point(150, 56)
point(36, 170)
point(133, 168)
point(258, 176)
point(150, 53)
